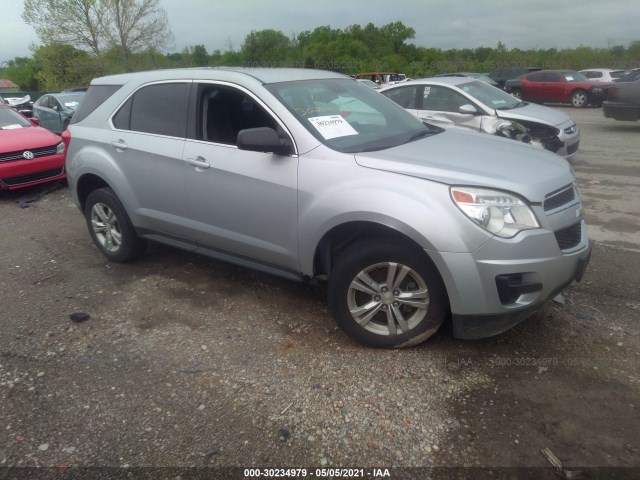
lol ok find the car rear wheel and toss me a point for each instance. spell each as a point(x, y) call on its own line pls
point(516, 92)
point(111, 228)
point(579, 99)
point(384, 294)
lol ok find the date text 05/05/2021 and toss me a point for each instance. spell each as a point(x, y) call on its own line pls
point(316, 472)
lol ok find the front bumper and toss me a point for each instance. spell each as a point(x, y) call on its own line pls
point(621, 111)
point(472, 327)
point(26, 173)
point(499, 285)
point(596, 98)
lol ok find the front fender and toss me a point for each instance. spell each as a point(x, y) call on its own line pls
point(419, 209)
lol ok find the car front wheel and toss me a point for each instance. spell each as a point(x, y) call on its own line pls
point(383, 294)
point(579, 99)
point(110, 227)
point(516, 92)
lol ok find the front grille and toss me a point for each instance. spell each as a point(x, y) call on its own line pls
point(572, 148)
point(32, 177)
point(569, 237)
point(559, 198)
point(37, 152)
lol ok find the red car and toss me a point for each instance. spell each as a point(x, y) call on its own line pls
point(560, 86)
point(29, 154)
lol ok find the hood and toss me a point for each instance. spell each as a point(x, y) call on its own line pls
point(457, 157)
point(19, 101)
point(26, 138)
point(536, 113)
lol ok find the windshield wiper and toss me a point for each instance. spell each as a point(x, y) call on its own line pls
point(432, 130)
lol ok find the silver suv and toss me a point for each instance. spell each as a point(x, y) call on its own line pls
point(313, 176)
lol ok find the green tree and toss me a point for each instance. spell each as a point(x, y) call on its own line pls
point(266, 46)
point(23, 72)
point(199, 56)
point(63, 66)
point(396, 34)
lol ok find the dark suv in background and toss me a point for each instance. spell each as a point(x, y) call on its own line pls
point(501, 75)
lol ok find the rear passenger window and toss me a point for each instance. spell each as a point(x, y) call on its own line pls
point(159, 109)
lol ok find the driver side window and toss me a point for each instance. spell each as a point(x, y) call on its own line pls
point(224, 111)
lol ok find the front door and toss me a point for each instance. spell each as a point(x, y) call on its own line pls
point(240, 202)
point(440, 106)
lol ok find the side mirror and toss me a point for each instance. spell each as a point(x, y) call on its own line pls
point(262, 139)
point(468, 109)
point(35, 121)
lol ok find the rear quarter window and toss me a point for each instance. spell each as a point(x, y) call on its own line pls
point(95, 96)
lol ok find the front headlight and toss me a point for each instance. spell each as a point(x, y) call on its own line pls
point(498, 126)
point(60, 148)
point(597, 90)
point(500, 213)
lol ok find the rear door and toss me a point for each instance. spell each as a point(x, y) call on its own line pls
point(147, 143)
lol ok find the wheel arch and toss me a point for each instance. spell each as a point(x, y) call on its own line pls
point(86, 184)
point(342, 236)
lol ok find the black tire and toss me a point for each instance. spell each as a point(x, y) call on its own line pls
point(386, 303)
point(579, 99)
point(516, 92)
point(111, 228)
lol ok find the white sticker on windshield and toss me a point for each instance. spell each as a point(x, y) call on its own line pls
point(11, 127)
point(569, 78)
point(332, 126)
point(71, 104)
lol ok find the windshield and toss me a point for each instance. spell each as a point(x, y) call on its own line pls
point(71, 100)
point(10, 119)
point(574, 77)
point(348, 116)
point(491, 96)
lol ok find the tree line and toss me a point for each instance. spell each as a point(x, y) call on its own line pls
point(82, 39)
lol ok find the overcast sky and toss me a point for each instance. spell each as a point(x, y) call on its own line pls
point(438, 23)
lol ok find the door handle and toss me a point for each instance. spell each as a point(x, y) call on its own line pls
point(119, 145)
point(198, 162)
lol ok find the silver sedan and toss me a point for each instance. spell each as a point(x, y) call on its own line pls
point(474, 105)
